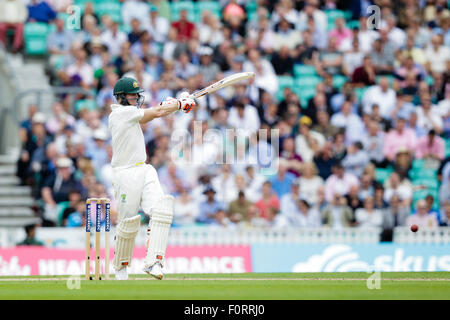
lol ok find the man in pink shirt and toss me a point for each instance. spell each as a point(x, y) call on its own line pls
point(399, 138)
point(430, 146)
point(339, 182)
point(422, 218)
point(341, 32)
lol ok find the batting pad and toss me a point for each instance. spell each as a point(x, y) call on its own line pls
point(160, 222)
point(126, 233)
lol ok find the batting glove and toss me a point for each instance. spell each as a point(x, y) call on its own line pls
point(186, 102)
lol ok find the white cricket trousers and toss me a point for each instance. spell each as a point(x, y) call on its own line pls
point(136, 187)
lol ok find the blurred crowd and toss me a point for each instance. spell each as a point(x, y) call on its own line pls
point(391, 112)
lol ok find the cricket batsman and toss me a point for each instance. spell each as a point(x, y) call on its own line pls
point(136, 184)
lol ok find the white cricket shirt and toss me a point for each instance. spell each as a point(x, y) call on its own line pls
point(128, 142)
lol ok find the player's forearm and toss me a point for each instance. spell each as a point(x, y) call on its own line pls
point(160, 110)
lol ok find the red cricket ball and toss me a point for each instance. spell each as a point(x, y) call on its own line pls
point(414, 228)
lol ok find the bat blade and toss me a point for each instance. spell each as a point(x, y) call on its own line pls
point(225, 82)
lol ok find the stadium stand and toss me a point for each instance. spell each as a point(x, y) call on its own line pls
point(350, 131)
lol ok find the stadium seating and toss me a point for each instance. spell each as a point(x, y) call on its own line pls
point(304, 94)
point(211, 6)
point(308, 81)
point(381, 174)
point(339, 81)
point(110, 8)
point(332, 15)
point(35, 38)
point(304, 70)
point(176, 8)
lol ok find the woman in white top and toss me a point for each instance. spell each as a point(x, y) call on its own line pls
point(310, 182)
point(369, 216)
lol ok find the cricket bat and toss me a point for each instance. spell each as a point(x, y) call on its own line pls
point(225, 82)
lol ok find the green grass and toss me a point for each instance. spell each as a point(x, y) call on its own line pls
point(250, 286)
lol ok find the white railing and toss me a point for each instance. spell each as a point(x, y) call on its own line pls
point(439, 235)
point(245, 236)
point(188, 236)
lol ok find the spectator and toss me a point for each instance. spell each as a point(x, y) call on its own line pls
point(430, 146)
point(398, 138)
point(269, 199)
point(185, 209)
point(324, 160)
point(244, 116)
point(364, 74)
point(30, 238)
point(283, 62)
point(437, 55)
point(373, 141)
point(394, 34)
point(324, 126)
point(382, 57)
point(353, 60)
point(185, 28)
point(356, 159)
point(445, 214)
point(58, 44)
point(75, 219)
point(353, 199)
point(254, 182)
point(275, 219)
point(293, 160)
point(317, 103)
point(207, 68)
point(367, 187)
point(311, 9)
point(428, 116)
point(184, 68)
point(265, 78)
point(366, 36)
point(369, 216)
point(135, 32)
point(305, 216)
point(281, 183)
point(337, 214)
point(88, 12)
point(57, 188)
point(139, 73)
point(403, 188)
point(40, 11)
point(330, 59)
point(80, 73)
point(221, 219)
point(74, 198)
point(310, 182)
point(286, 36)
point(381, 95)
point(341, 33)
point(13, 14)
point(288, 201)
point(137, 9)
point(238, 208)
point(422, 218)
point(351, 122)
point(396, 214)
point(158, 26)
point(409, 70)
point(97, 149)
point(308, 142)
point(339, 182)
point(209, 207)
